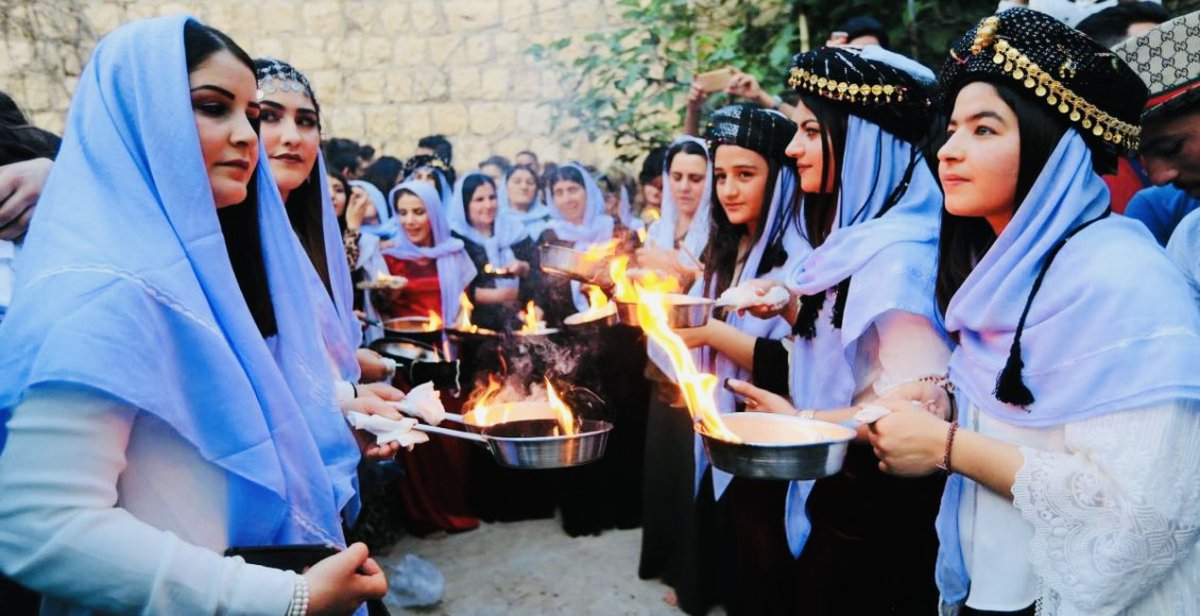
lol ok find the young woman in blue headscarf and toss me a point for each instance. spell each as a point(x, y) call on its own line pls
point(438, 269)
point(180, 368)
point(865, 321)
point(667, 502)
point(519, 195)
point(291, 134)
point(577, 221)
point(751, 235)
point(493, 238)
point(1075, 474)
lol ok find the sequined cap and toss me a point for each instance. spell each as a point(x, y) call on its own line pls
point(750, 126)
point(874, 90)
point(1060, 66)
point(1167, 58)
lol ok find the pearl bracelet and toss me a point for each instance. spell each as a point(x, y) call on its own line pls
point(299, 604)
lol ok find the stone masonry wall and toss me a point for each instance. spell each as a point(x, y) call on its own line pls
point(385, 72)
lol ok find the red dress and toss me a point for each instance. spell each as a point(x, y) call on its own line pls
point(434, 492)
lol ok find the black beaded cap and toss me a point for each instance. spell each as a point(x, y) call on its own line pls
point(1072, 74)
point(876, 91)
point(753, 127)
point(425, 160)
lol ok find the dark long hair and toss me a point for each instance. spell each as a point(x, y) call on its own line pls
point(384, 173)
point(470, 184)
point(820, 209)
point(239, 222)
point(964, 240)
point(345, 190)
point(721, 253)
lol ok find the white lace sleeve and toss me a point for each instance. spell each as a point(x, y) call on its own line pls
point(1116, 516)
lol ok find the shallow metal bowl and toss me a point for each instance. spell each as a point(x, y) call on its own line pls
point(779, 447)
point(571, 263)
point(535, 444)
point(682, 311)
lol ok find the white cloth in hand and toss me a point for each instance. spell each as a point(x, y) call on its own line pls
point(423, 402)
point(871, 413)
point(388, 430)
point(745, 296)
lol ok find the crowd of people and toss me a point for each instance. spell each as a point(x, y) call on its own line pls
point(1002, 254)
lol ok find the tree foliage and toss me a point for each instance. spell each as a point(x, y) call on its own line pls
point(629, 86)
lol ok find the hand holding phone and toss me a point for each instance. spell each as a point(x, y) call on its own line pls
point(714, 81)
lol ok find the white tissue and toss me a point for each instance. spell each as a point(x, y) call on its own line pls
point(424, 402)
point(388, 430)
point(871, 413)
point(745, 296)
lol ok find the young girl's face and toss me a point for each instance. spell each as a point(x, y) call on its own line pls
point(740, 176)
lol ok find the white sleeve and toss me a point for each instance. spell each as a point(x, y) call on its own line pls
point(1184, 250)
point(1116, 517)
point(909, 348)
point(63, 533)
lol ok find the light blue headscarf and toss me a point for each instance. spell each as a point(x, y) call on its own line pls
point(156, 319)
point(776, 223)
point(1113, 327)
point(625, 211)
point(454, 266)
point(891, 260)
point(534, 219)
point(662, 235)
point(662, 231)
point(443, 190)
point(506, 231)
point(339, 325)
point(596, 228)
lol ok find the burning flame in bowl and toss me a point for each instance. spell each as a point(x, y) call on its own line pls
point(531, 324)
point(486, 409)
point(434, 323)
point(698, 387)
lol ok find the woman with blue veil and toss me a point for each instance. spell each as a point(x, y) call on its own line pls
point(863, 321)
point(504, 255)
point(197, 413)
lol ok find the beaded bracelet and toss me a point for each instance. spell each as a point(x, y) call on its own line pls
point(299, 604)
point(947, 386)
point(945, 465)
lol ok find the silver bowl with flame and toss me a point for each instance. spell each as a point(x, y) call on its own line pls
point(537, 443)
point(682, 311)
point(779, 447)
point(572, 263)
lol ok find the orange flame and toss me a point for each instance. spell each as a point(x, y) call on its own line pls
point(652, 214)
point(641, 233)
point(464, 315)
point(566, 421)
point(599, 252)
point(382, 276)
point(698, 387)
point(623, 289)
point(434, 324)
point(531, 323)
point(597, 300)
point(488, 269)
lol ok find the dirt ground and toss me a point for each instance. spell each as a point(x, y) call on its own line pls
point(533, 567)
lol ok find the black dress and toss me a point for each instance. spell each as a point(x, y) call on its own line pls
point(609, 361)
point(499, 317)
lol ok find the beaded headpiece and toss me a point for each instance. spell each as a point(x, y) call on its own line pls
point(279, 76)
point(1167, 58)
point(750, 126)
point(432, 161)
point(1076, 76)
point(871, 88)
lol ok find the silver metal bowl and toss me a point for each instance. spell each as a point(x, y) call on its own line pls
point(532, 444)
point(682, 311)
point(571, 263)
point(779, 447)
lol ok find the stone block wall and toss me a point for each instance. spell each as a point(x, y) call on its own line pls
point(386, 72)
